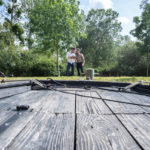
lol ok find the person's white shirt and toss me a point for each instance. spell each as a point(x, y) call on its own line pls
point(70, 60)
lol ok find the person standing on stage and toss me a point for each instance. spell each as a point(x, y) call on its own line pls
point(71, 58)
point(80, 60)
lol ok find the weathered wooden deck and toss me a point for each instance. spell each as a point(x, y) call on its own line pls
point(61, 121)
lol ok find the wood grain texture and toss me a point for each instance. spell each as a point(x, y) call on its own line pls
point(90, 105)
point(53, 124)
point(139, 127)
point(31, 98)
point(119, 107)
point(113, 96)
point(46, 132)
point(13, 91)
point(44, 103)
point(139, 99)
point(14, 129)
point(14, 122)
point(60, 103)
point(102, 132)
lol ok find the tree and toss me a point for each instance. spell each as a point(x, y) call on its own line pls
point(142, 32)
point(130, 60)
point(12, 14)
point(6, 39)
point(56, 24)
point(27, 6)
point(143, 3)
point(102, 30)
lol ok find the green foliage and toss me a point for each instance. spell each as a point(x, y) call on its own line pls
point(1, 2)
point(44, 67)
point(26, 7)
point(16, 28)
point(18, 31)
point(129, 59)
point(102, 29)
point(26, 63)
point(52, 26)
point(9, 10)
point(56, 25)
point(12, 13)
point(143, 3)
point(18, 13)
point(15, 1)
point(6, 39)
point(142, 31)
point(55, 22)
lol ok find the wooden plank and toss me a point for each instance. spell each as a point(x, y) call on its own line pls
point(100, 132)
point(90, 105)
point(127, 97)
point(125, 108)
point(12, 126)
point(31, 98)
point(139, 127)
point(56, 103)
point(119, 107)
point(113, 95)
point(139, 99)
point(43, 102)
point(14, 90)
point(47, 131)
point(14, 129)
point(60, 103)
point(28, 98)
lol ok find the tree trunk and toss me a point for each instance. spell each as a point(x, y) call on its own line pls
point(58, 69)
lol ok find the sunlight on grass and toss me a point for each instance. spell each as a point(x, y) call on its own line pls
point(109, 79)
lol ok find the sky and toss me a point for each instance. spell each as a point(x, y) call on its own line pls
point(127, 9)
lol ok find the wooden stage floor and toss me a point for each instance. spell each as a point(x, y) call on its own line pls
point(61, 121)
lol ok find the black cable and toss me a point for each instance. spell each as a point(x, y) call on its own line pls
point(89, 87)
point(110, 100)
point(75, 127)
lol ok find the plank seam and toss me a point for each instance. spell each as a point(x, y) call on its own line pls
point(75, 128)
point(121, 123)
point(110, 100)
point(116, 114)
point(142, 107)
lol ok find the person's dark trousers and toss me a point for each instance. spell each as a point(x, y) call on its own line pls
point(72, 68)
point(79, 67)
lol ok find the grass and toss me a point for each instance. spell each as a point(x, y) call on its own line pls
point(109, 79)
